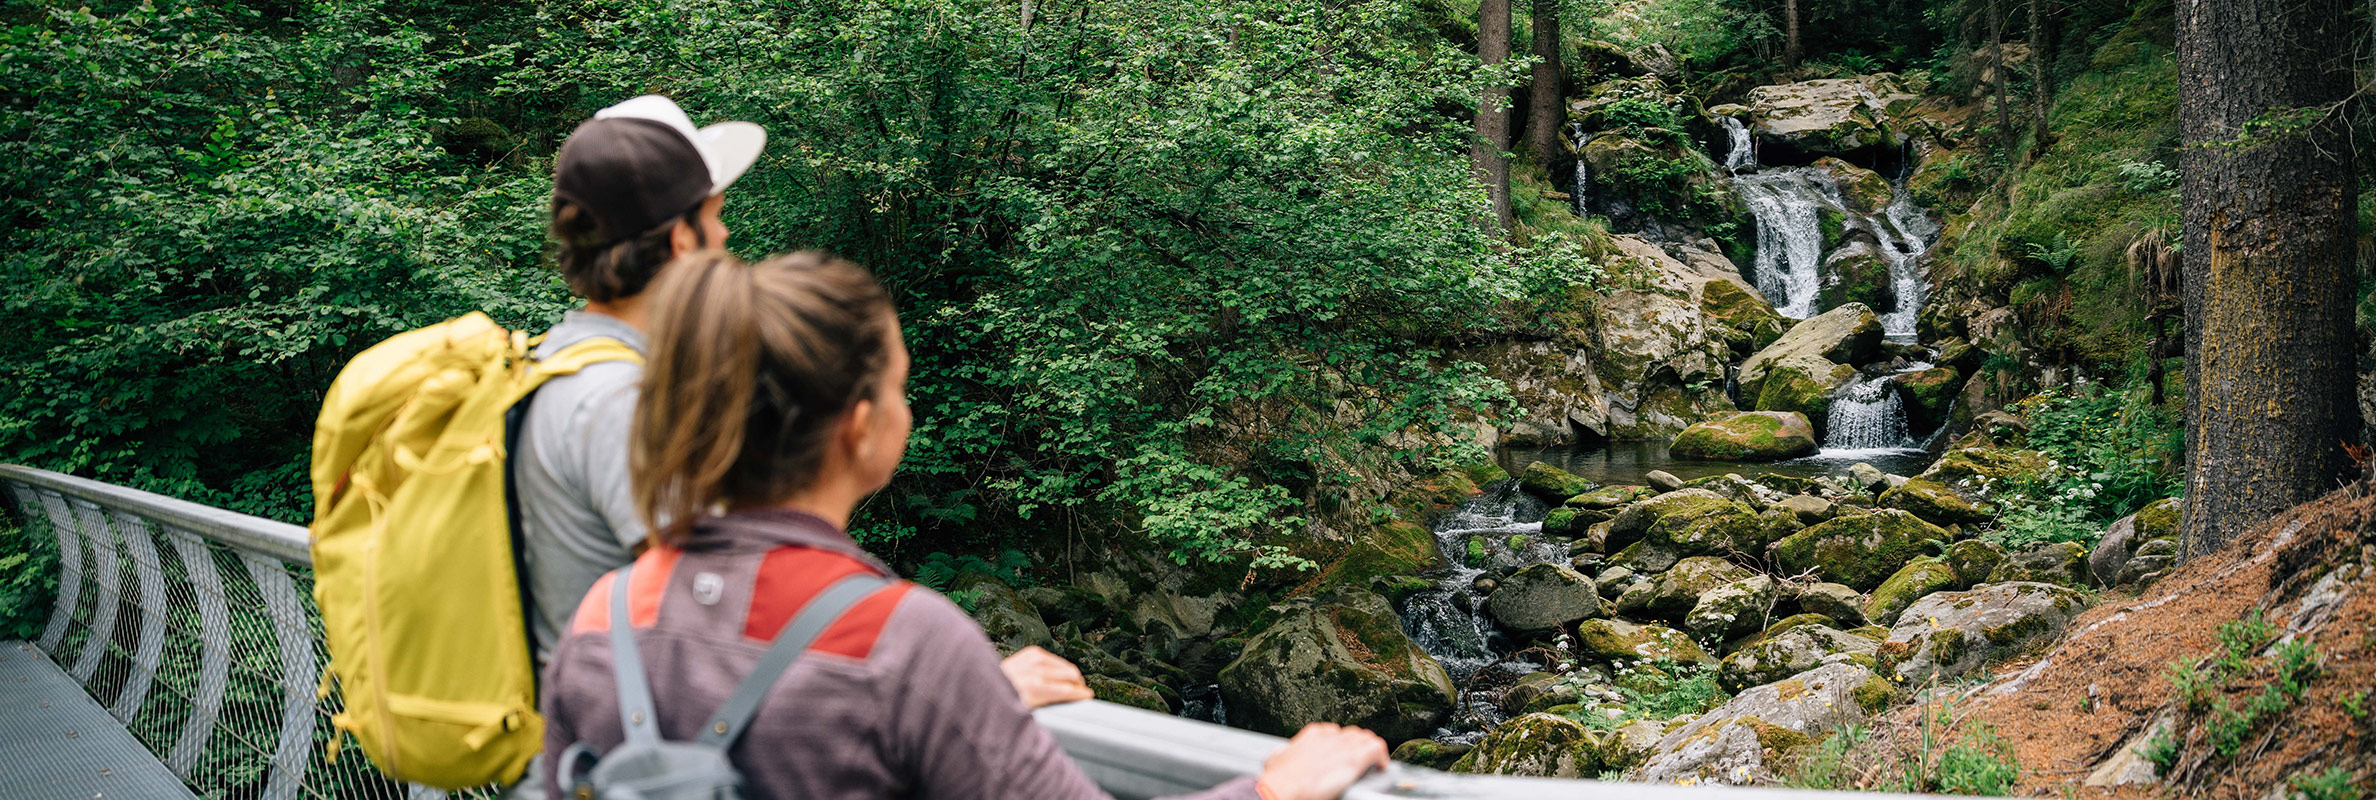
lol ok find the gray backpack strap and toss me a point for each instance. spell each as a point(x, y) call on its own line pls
point(727, 725)
point(636, 720)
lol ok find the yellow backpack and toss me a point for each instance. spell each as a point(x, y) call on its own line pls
point(413, 557)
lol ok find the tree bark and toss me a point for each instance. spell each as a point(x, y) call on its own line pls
point(1792, 50)
point(2005, 136)
point(2269, 280)
point(1493, 110)
point(1543, 107)
point(2041, 92)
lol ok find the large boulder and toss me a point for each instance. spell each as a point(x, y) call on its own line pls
point(1929, 394)
point(1732, 610)
point(2156, 521)
point(1395, 548)
point(2063, 563)
point(1012, 622)
point(1950, 634)
point(1740, 316)
point(1680, 588)
point(1776, 656)
point(1544, 597)
point(1551, 484)
point(1798, 122)
point(1537, 745)
point(1973, 560)
point(1659, 360)
point(1920, 578)
point(1865, 190)
point(1856, 272)
point(1860, 551)
point(1732, 744)
point(1935, 503)
point(1342, 659)
point(1748, 436)
point(1619, 640)
point(1684, 522)
point(1841, 603)
point(1849, 334)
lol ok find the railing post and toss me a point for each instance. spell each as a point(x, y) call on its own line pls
point(61, 524)
point(106, 576)
point(214, 650)
point(142, 547)
point(297, 674)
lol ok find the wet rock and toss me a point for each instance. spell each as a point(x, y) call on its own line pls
point(1865, 190)
point(1973, 561)
point(1920, 578)
point(1929, 394)
point(1954, 633)
point(1430, 753)
point(2062, 563)
point(1127, 693)
point(1857, 272)
point(1848, 335)
point(1732, 610)
point(1841, 603)
point(1530, 686)
point(1551, 484)
point(1867, 478)
point(1679, 589)
point(1536, 745)
point(1607, 498)
point(1860, 551)
point(1809, 508)
point(1748, 436)
point(1797, 122)
point(1619, 640)
point(1740, 317)
point(1393, 548)
point(1779, 655)
point(1342, 658)
point(1663, 481)
point(1566, 521)
point(1729, 745)
point(1544, 597)
point(1012, 622)
point(1935, 503)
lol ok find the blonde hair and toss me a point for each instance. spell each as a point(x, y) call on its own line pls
point(750, 369)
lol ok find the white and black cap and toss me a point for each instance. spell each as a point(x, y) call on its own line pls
point(641, 163)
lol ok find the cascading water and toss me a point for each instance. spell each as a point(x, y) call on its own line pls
point(1906, 235)
point(1788, 205)
point(1448, 620)
point(1583, 192)
point(1739, 152)
point(1867, 415)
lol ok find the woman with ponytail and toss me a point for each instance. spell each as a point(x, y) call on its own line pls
point(774, 401)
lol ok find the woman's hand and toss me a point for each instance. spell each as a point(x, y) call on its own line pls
point(1321, 762)
point(1044, 678)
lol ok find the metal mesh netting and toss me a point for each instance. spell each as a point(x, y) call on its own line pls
point(211, 655)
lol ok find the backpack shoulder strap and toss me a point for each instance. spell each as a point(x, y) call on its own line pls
point(569, 360)
point(636, 720)
point(727, 725)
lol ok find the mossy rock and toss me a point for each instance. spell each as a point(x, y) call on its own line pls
point(1864, 189)
point(1537, 745)
point(1973, 561)
point(1841, 603)
point(1607, 498)
point(1740, 317)
point(1619, 640)
point(1920, 578)
point(1860, 551)
point(1430, 753)
point(1551, 484)
point(1394, 548)
point(1011, 621)
point(1856, 273)
point(1544, 597)
point(1569, 521)
point(1929, 394)
point(1802, 385)
point(1679, 589)
point(1135, 695)
point(1474, 553)
point(1732, 610)
point(1935, 503)
point(2062, 563)
point(1748, 436)
point(1687, 521)
point(1340, 658)
point(1951, 634)
point(2158, 520)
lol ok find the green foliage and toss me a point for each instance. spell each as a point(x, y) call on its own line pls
point(2146, 177)
point(2112, 454)
point(28, 577)
point(2203, 690)
point(1831, 764)
point(1981, 763)
point(942, 572)
point(1660, 690)
point(2333, 784)
point(2354, 704)
point(2162, 750)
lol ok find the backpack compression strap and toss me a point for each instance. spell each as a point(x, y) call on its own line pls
point(636, 721)
point(727, 725)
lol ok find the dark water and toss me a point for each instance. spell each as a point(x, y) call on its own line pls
point(1627, 463)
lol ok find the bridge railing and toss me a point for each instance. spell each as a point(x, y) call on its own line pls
point(196, 627)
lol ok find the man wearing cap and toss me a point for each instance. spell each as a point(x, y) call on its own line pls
point(633, 188)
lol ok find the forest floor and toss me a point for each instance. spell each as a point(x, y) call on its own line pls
point(2251, 731)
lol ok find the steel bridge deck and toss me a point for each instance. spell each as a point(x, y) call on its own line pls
point(56, 742)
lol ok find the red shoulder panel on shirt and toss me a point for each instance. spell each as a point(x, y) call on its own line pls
point(652, 572)
point(790, 577)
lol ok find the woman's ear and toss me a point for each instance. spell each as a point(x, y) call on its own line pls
point(857, 434)
point(683, 238)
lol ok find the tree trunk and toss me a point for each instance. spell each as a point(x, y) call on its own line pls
point(2041, 92)
point(1543, 107)
point(1996, 45)
point(1493, 110)
point(1792, 50)
point(2268, 259)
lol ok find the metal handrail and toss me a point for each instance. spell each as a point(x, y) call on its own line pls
point(186, 609)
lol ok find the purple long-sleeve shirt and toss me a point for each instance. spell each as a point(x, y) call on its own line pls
point(902, 697)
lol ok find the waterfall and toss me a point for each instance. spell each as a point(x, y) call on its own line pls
point(1583, 192)
point(1448, 620)
point(1906, 235)
point(1788, 206)
point(1740, 152)
point(1867, 415)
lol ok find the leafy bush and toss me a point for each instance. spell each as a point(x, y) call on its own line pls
point(2111, 455)
point(28, 577)
point(1982, 763)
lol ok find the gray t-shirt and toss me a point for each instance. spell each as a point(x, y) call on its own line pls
point(577, 505)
